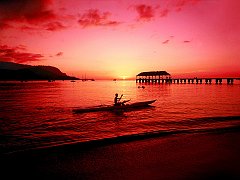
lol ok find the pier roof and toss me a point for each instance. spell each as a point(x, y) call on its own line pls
point(154, 73)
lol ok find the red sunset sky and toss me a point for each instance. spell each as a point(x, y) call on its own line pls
point(120, 38)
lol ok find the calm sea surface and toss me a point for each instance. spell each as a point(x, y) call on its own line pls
point(39, 114)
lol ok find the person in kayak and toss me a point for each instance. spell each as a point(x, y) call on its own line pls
point(117, 100)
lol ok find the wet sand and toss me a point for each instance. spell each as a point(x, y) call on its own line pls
point(186, 156)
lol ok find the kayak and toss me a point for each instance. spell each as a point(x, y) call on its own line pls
point(131, 106)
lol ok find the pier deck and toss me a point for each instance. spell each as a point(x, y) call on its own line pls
point(165, 77)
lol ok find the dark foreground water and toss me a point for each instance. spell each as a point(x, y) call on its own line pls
point(36, 115)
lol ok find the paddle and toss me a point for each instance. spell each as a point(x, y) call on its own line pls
point(125, 101)
point(121, 97)
point(122, 103)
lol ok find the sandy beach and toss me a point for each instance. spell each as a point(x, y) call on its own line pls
point(186, 156)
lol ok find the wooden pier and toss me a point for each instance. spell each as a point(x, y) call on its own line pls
point(165, 77)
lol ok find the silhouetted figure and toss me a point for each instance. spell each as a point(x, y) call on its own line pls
point(117, 100)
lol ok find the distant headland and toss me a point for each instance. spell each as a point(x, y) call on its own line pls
point(21, 72)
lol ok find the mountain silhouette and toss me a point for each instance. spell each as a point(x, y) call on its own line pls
point(15, 71)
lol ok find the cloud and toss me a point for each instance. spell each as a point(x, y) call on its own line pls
point(59, 54)
point(95, 18)
point(145, 12)
point(149, 12)
point(187, 41)
point(28, 15)
point(26, 10)
point(165, 42)
point(21, 47)
point(164, 12)
point(4, 25)
point(13, 54)
point(28, 28)
point(51, 26)
point(55, 26)
point(181, 3)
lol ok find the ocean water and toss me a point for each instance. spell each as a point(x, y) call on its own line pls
point(36, 115)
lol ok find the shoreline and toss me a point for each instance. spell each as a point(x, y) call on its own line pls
point(201, 155)
point(85, 145)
